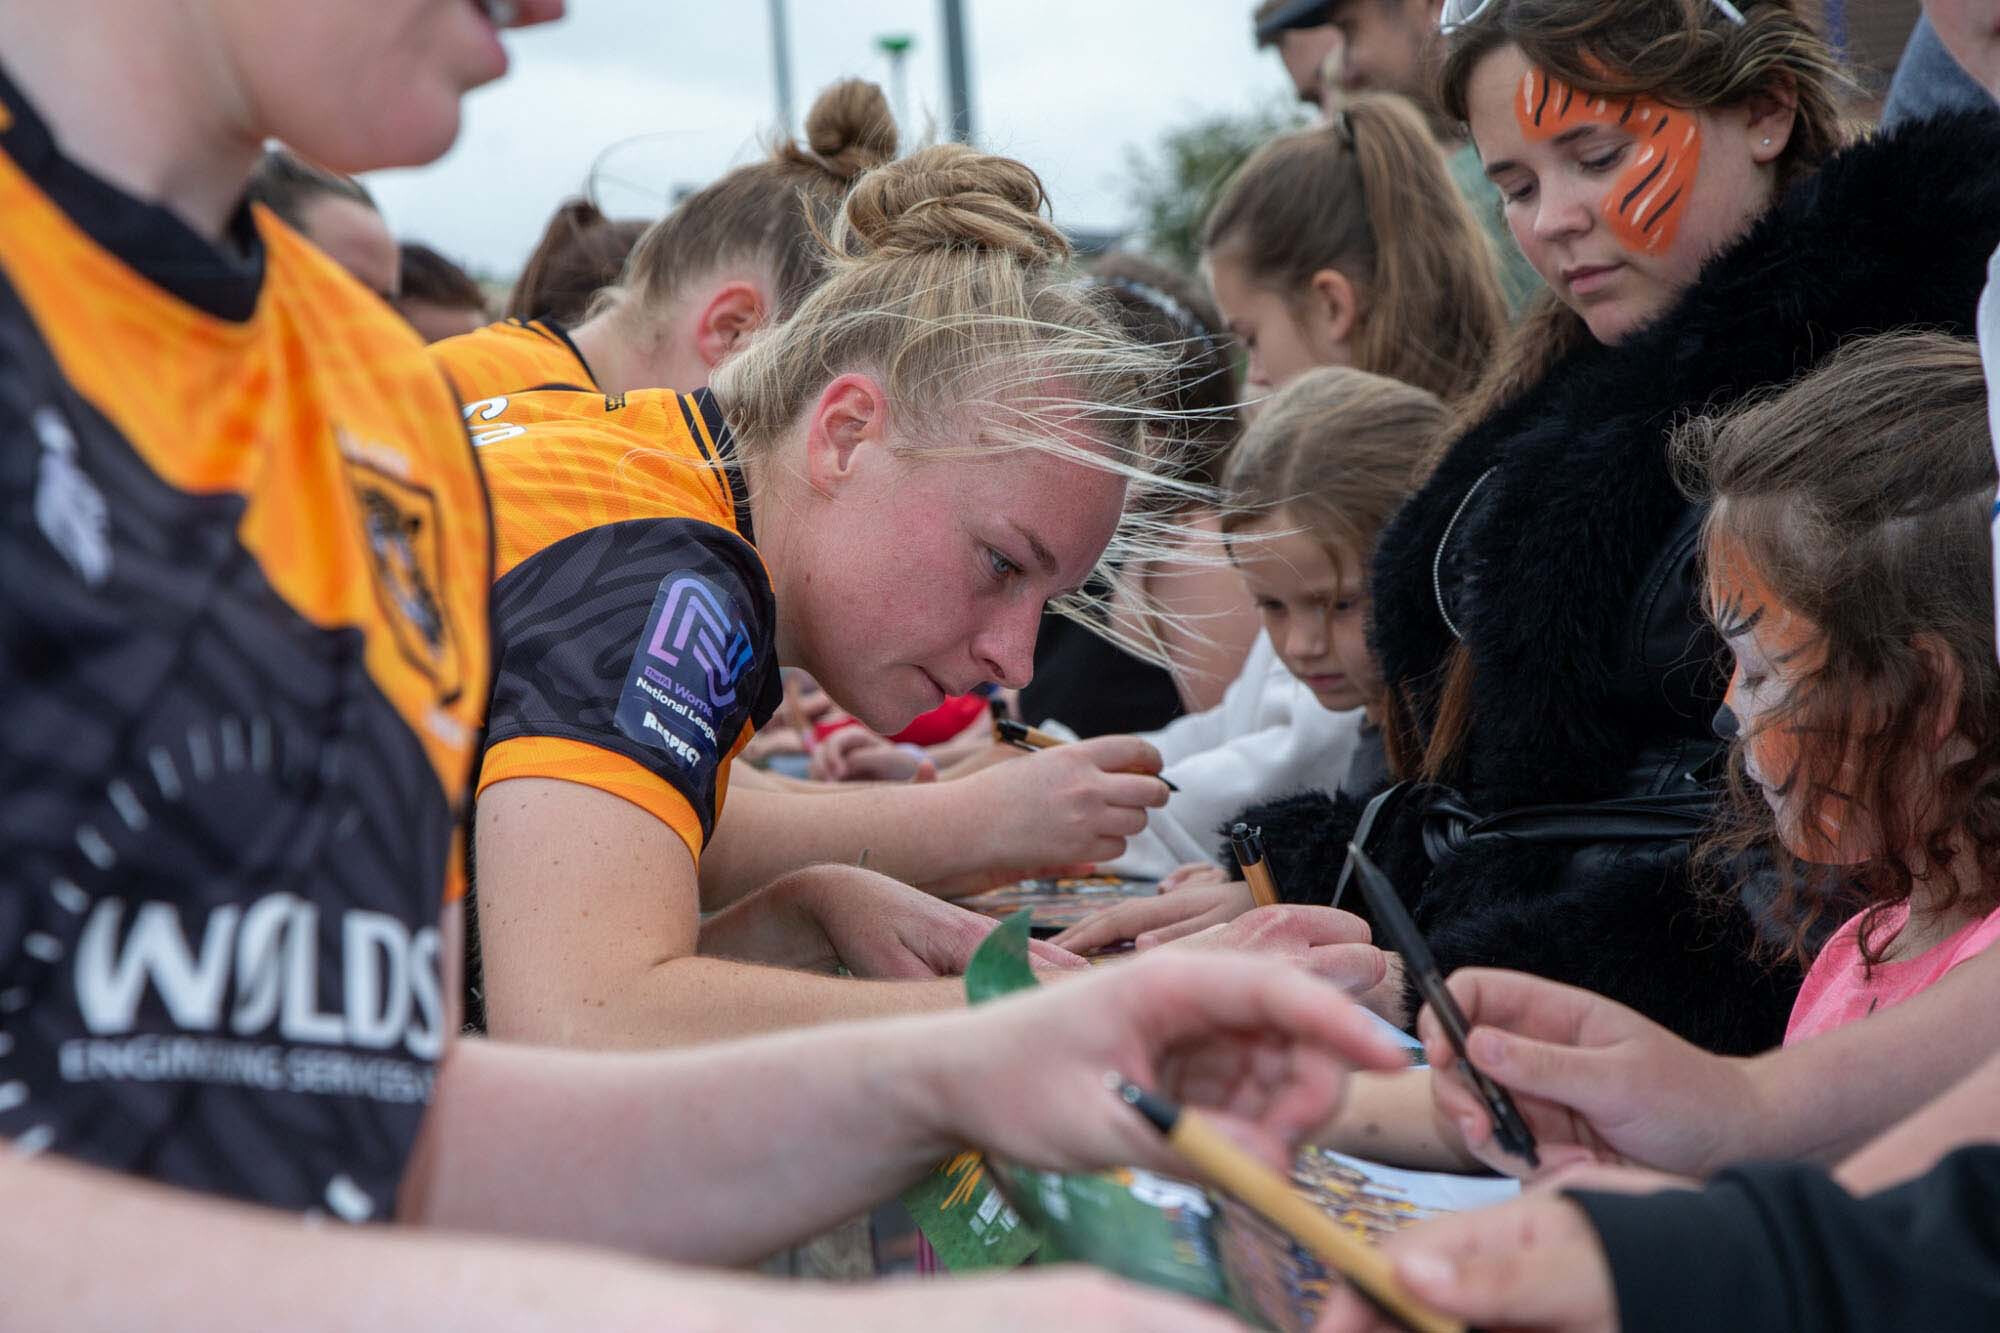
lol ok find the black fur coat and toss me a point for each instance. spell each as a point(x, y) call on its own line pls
point(1572, 577)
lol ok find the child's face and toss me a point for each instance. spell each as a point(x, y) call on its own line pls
point(1776, 652)
point(1316, 615)
point(1281, 339)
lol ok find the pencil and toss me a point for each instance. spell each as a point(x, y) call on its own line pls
point(1249, 845)
point(1271, 1196)
point(1509, 1129)
point(1024, 737)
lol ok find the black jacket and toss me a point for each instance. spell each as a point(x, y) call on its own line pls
point(1572, 576)
point(1779, 1248)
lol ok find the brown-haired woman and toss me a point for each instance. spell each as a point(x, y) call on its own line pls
point(1347, 245)
point(680, 295)
point(1675, 176)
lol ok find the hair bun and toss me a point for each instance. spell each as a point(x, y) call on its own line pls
point(850, 129)
point(951, 197)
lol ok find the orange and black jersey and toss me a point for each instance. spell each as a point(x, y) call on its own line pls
point(244, 566)
point(634, 618)
point(510, 357)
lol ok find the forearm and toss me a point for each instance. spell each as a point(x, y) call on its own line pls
point(1968, 1114)
point(690, 1000)
point(1392, 1118)
point(1824, 1098)
point(719, 1155)
point(912, 832)
point(186, 1260)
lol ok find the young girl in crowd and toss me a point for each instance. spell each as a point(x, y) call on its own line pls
point(731, 258)
point(1846, 557)
point(1537, 609)
point(1347, 245)
point(884, 489)
point(1326, 462)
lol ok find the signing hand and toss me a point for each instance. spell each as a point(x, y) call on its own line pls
point(1069, 803)
point(1596, 1081)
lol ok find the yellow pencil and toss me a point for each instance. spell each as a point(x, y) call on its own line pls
point(1271, 1196)
point(1249, 845)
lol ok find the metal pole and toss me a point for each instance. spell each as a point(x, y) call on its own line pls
point(958, 78)
point(781, 65)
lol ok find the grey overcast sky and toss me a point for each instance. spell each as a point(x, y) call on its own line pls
point(659, 94)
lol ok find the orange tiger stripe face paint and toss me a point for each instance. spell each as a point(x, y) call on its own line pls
point(1649, 194)
point(1777, 651)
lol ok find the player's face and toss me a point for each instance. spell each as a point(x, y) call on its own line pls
point(1617, 202)
point(360, 86)
point(944, 562)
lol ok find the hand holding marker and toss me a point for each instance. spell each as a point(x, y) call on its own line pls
point(1509, 1128)
point(1024, 737)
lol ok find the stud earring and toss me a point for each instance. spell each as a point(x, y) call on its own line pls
point(1767, 143)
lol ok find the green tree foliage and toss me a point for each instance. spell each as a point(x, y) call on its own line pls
point(1172, 186)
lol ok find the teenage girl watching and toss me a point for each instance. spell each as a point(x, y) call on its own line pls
point(1315, 478)
point(884, 490)
point(1347, 245)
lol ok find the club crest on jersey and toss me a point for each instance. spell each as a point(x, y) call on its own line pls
point(406, 546)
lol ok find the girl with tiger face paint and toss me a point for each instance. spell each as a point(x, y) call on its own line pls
point(1618, 200)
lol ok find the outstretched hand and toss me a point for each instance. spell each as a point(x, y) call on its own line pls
point(1262, 1047)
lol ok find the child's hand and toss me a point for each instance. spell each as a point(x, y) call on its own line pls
point(1194, 872)
point(1595, 1081)
point(1152, 921)
point(1326, 942)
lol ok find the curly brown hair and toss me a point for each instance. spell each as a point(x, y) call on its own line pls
point(1862, 495)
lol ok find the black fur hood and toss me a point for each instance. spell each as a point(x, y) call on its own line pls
point(1579, 539)
point(1891, 233)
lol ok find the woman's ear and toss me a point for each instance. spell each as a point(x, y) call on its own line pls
point(1335, 305)
point(1771, 114)
point(852, 412)
point(734, 312)
point(1946, 679)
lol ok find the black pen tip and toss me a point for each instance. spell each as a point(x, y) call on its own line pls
point(1163, 1113)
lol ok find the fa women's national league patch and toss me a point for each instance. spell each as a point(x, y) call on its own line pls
point(683, 677)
